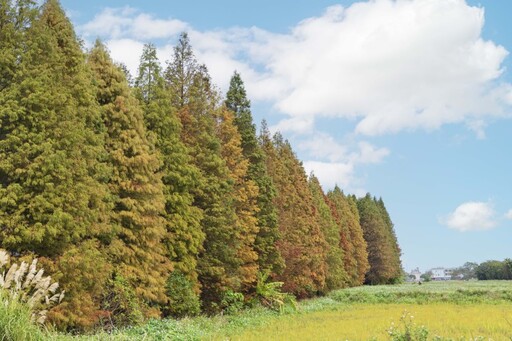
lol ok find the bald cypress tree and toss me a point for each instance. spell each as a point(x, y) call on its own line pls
point(197, 101)
point(383, 251)
point(352, 241)
point(302, 243)
point(181, 72)
point(269, 258)
point(245, 198)
point(393, 240)
point(53, 174)
point(336, 276)
point(180, 176)
point(137, 251)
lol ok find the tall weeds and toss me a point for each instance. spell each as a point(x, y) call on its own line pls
point(16, 320)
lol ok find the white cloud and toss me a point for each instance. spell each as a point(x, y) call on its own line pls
point(471, 216)
point(508, 215)
point(395, 64)
point(301, 125)
point(127, 51)
point(336, 164)
point(128, 22)
point(333, 173)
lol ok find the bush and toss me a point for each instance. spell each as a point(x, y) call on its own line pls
point(122, 304)
point(183, 301)
point(269, 294)
point(232, 302)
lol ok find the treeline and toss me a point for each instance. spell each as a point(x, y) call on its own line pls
point(157, 197)
point(494, 269)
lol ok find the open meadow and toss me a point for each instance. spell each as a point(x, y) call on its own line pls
point(455, 310)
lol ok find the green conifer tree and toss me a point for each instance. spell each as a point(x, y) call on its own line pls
point(245, 198)
point(52, 169)
point(180, 177)
point(302, 243)
point(137, 251)
point(15, 18)
point(336, 276)
point(383, 251)
point(181, 72)
point(197, 101)
point(269, 259)
point(352, 241)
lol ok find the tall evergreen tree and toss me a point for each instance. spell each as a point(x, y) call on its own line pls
point(196, 101)
point(302, 243)
point(54, 196)
point(383, 252)
point(351, 240)
point(269, 259)
point(181, 72)
point(397, 252)
point(336, 276)
point(180, 176)
point(245, 198)
point(137, 251)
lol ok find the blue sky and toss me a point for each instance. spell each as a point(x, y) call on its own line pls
point(410, 99)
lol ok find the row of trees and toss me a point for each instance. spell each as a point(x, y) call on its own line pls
point(494, 269)
point(158, 197)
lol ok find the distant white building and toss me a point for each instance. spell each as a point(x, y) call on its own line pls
point(415, 275)
point(441, 274)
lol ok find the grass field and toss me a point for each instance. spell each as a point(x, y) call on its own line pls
point(447, 310)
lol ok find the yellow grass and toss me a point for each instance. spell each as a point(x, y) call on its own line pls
point(367, 321)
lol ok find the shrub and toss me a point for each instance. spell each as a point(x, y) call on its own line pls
point(232, 302)
point(183, 301)
point(122, 304)
point(269, 294)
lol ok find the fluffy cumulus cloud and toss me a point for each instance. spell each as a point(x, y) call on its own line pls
point(339, 161)
point(471, 216)
point(508, 215)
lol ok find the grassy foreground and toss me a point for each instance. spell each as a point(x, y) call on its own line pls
point(448, 311)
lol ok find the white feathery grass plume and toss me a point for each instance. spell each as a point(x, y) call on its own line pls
point(19, 274)
point(31, 274)
point(53, 287)
point(28, 285)
point(4, 258)
point(10, 276)
point(37, 277)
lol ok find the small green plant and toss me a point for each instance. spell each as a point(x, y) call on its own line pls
point(25, 284)
point(232, 302)
point(183, 301)
point(408, 331)
point(269, 294)
point(122, 303)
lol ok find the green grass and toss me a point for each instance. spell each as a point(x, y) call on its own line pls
point(452, 310)
point(15, 321)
